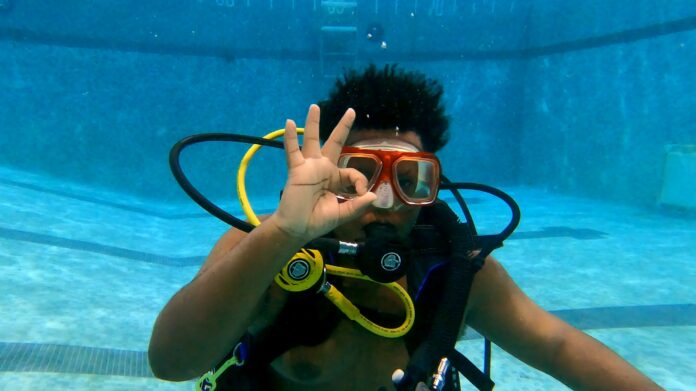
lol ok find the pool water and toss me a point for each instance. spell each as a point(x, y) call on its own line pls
point(84, 273)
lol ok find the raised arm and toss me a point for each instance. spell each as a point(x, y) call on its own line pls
point(499, 310)
point(202, 321)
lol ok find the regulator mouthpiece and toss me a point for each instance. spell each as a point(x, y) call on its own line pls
point(385, 256)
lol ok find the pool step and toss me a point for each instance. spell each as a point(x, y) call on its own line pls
point(338, 44)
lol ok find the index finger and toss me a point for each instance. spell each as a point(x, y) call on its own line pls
point(333, 146)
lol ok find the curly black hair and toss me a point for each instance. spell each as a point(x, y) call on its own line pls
point(386, 99)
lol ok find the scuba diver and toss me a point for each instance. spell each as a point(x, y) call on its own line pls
point(362, 279)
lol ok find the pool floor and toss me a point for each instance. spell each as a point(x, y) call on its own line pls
point(84, 273)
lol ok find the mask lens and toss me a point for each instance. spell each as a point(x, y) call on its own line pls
point(367, 165)
point(416, 179)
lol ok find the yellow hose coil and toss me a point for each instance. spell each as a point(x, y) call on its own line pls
point(333, 294)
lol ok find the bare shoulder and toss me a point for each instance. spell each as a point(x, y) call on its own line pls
point(229, 240)
point(494, 296)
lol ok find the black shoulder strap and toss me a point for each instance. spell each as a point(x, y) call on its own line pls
point(472, 373)
point(441, 295)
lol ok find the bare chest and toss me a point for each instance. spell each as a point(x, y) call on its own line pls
point(351, 359)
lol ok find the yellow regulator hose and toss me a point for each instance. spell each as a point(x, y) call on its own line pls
point(333, 294)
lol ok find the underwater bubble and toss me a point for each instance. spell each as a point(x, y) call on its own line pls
point(375, 32)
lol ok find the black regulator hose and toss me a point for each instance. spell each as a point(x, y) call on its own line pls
point(200, 199)
point(484, 241)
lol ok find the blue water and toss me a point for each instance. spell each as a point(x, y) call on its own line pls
point(84, 275)
point(582, 111)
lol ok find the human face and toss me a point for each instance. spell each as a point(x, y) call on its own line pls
point(400, 215)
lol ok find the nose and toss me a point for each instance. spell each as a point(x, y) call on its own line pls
point(385, 196)
point(387, 199)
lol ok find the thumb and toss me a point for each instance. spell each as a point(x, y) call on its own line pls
point(355, 206)
point(422, 387)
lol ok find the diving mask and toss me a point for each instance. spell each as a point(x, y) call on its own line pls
point(393, 168)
